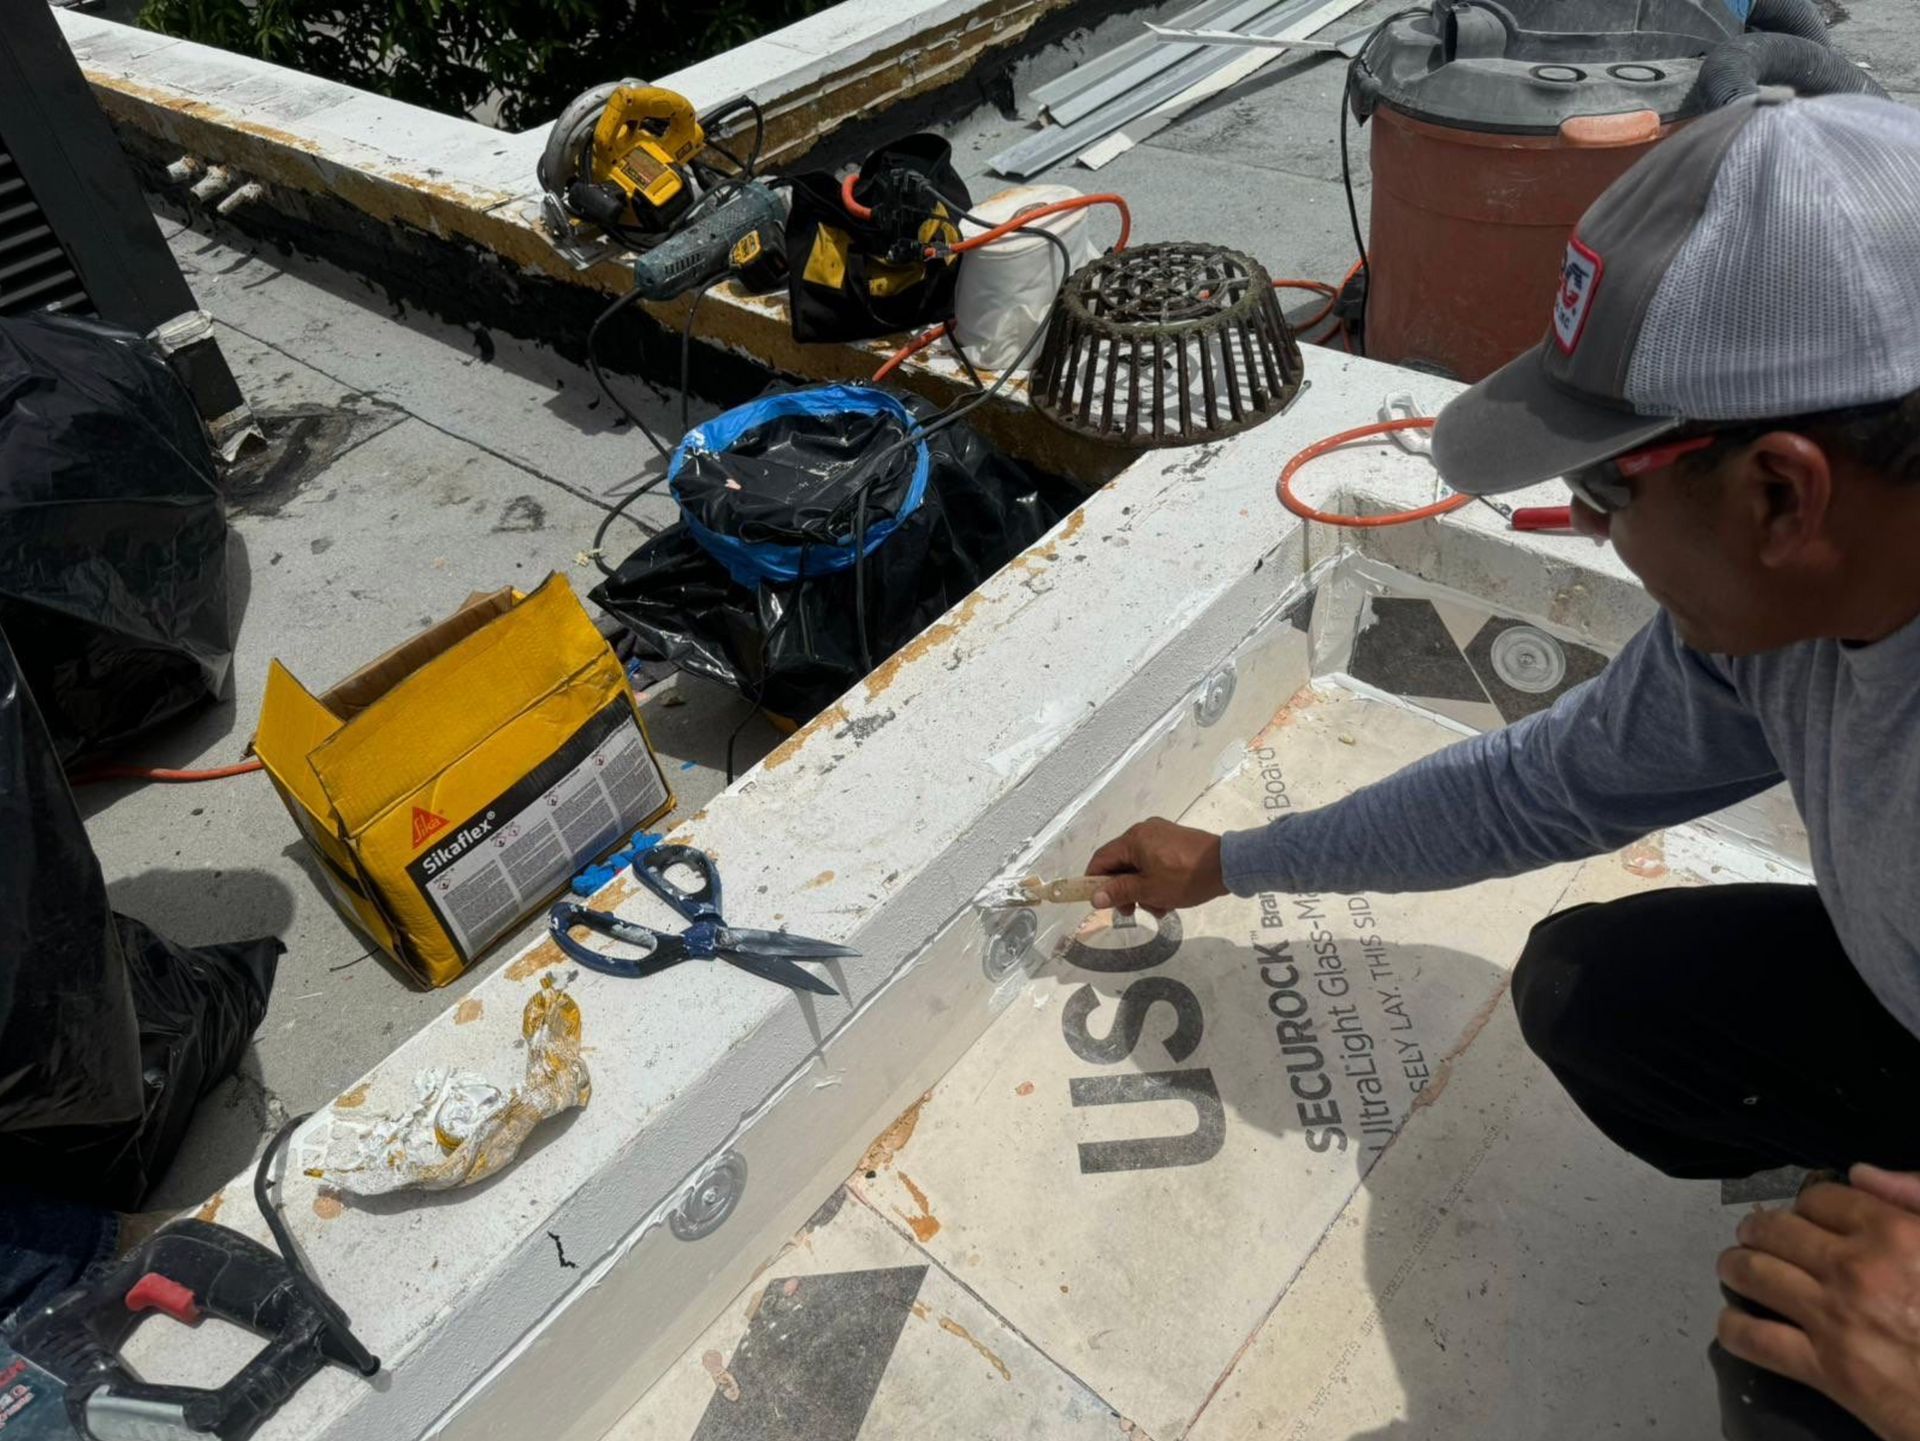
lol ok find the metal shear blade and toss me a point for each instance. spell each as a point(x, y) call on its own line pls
point(767, 954)
point(780, 943)
point(773, 968)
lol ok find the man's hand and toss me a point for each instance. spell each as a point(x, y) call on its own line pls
point(1844, 1267)
point(1158, 865)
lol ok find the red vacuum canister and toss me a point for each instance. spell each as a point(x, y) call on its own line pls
point(1495, 125)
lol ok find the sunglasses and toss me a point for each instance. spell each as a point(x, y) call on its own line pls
point(1604, 486)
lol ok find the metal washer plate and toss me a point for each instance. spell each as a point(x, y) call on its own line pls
point(1008, 946)
point(711, 1199)
point(1215, 696)
point(1529, 660)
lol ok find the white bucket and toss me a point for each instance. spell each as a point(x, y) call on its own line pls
point(1006, 289)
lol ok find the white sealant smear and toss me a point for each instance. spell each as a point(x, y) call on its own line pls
point(1344, 682)
point(1045, 730)
point(1227, 763)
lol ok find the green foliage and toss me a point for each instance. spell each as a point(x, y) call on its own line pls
point(529, 56)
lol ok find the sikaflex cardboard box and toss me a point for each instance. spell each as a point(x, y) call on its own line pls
point(458, 782)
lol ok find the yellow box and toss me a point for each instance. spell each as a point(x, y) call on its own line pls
point(454, 785)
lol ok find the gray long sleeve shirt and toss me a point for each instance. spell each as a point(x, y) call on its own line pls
point(1665, 734)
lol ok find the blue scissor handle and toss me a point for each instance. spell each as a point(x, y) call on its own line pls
point(661, 951)
point(703, 904)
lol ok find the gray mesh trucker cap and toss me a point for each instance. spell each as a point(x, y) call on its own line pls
point(1762, 261)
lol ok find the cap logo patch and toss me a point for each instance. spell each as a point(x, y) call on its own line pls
point(1579, 278)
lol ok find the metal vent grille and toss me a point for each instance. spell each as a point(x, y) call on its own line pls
point(36, 273)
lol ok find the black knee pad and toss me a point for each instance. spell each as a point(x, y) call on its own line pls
point(1546, 978)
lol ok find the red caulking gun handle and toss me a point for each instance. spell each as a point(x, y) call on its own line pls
point(1544, 517)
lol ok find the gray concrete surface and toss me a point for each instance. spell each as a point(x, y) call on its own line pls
point(417, 473)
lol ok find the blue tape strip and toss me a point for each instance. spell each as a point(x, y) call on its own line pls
point(593, 878)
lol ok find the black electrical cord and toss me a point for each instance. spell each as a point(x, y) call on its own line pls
point(364, 1361)
point(593, 362)
point(860, 583)
point(753, 703)
point(686, 357)
point(716, 195)
point(686, 372)
point(933, 425)
point(606, 521)
point(720, 112)
point(1359, 330)
point(745, 171)
point(960, 352)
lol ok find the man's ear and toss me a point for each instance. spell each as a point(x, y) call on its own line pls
point(1785, 497)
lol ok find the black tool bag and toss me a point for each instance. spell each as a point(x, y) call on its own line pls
point(113, 534)
point(791, 646)
point(856, 279)
point(109, 1034)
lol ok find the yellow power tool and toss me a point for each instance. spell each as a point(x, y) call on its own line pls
point(618, 160)
point(641, 145)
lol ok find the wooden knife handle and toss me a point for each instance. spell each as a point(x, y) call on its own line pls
point(1078, 890)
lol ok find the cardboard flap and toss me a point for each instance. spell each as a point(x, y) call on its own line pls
point(374, 679)
point(428, 720)
point(292, 725)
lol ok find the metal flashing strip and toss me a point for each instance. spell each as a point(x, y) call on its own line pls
point(1048, 147)
point(1140, 58)
point(1253, 53)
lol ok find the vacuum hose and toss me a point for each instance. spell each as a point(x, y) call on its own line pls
point(1744, 64)
point(1789, 17)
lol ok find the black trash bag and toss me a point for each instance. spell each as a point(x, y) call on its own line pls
point(109, 1034)
point(113, 534)
point(858, 279)
point(775, 484)
point(790, 646)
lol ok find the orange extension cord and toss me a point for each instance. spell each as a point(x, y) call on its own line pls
point(149, 773)
point(922, 341)
point(1332, 294)
point(1360, 522)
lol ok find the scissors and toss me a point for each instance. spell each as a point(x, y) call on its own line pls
point(767, 954)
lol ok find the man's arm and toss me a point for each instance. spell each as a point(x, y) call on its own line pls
point(1657, 738)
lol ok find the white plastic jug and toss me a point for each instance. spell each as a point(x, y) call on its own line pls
point(1005, 290)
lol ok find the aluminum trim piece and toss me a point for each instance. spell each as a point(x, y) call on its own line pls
point(1049, 146)
point(1123, 56)
point(1199, 59)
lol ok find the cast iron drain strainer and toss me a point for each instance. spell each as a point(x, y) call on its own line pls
point(1167, 345)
